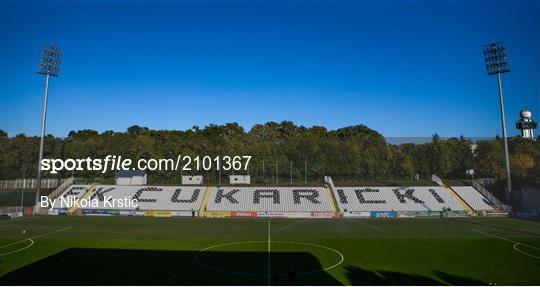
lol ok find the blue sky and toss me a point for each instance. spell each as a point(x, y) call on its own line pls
point(401, 68)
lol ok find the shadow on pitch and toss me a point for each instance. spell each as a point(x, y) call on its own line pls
point(80, 266)
point(479, 223)
point(359, 276)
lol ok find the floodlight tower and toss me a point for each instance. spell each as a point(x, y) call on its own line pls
point(51, 58)
point(497, 64)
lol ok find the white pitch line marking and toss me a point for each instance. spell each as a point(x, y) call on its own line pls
point(196, 257)
point(18, 250)
point(528, 221)
point(342, 258)
point(523, 252)
point(291, 224)
point(372, 226)
point(516, 243)
point(14, 219)
point(37, 236)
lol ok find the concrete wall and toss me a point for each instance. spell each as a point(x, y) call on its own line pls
point(527, 200)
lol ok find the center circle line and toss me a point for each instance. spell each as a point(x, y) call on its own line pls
point(196, 257)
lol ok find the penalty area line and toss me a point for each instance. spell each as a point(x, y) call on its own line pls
point(20, 249)
point(34, 237)
point(516, 243)
point(291, 224)
point(523, 252)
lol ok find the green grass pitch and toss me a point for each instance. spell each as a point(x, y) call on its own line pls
point(169, 251)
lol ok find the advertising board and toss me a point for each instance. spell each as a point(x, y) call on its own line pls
point(243, 214)
point(96, 212)
point(183, 213)
point(383, 214)
point(357, 214)
point(323, 214)
point(158, 213)
point(216, 214)
point(272, 214)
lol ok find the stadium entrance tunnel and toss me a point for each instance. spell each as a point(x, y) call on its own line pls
point(82, 266)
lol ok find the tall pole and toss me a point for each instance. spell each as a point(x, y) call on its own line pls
point(42, 140)
point(305, 171)
point(291, 171)
point(22, 189)
point(276, 171)
point(50, 66)
point(505, 141)
point(497, 64)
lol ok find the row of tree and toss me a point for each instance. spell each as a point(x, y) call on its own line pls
point(282, 150)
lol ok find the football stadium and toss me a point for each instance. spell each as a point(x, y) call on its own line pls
point(246, 235)
point(269, 143)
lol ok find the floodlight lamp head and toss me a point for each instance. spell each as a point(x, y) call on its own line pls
point(50, 61)
point(496, 59)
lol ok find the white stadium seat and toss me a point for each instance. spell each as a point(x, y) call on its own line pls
point(476, 200)
point(174, 198)
point(283, 199)
point(414, 198)
point(74, 192)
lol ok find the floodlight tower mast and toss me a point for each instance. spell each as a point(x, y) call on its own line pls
point(497, 64)
point(51, 58)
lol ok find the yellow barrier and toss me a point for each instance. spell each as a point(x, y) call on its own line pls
point(88, 192)
point(219, 214)
point(158, 213)
point(333, 201)
point(206, 199)
point(462, 202)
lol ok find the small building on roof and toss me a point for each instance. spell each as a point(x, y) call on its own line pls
point(192, 179)
point(239, 179)
point(131, 177)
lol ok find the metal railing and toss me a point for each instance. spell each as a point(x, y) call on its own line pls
point(29, 183)
point(498, 204)
point(61, 188)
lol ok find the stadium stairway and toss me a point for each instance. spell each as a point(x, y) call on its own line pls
point(454, 194)
point(61, 188)
point(206, 199)
point(460, 200)
point(87, 194)
point(333, 201)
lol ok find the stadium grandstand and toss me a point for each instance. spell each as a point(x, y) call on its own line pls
point(252, 201)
